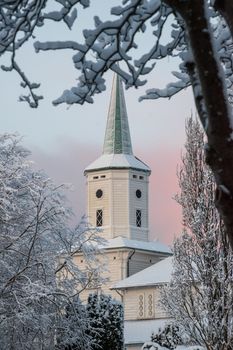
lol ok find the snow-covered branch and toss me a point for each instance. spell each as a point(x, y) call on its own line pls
point(198, 33)
point(39, 274)
point(18, 22)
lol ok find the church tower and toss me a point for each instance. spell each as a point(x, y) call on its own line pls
point(117, 182)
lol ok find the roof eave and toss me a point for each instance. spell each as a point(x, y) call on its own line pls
point(148, 285)
point(116, 168)
point(140, 249)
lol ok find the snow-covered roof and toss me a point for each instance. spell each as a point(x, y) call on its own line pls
point(122, 242)
point(140, 331)
point(118, 161)
point(156, 274)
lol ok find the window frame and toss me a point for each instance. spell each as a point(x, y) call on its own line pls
point(99, 217)
point(138, 217)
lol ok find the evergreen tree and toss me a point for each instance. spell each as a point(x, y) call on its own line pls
point(199, 296)
point(105, 322)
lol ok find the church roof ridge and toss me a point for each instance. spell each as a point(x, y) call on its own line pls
point(117, 135)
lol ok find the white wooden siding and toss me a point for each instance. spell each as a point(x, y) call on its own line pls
point(131, 303)
point(119, 202)
point(140, 261)
point(117, 270)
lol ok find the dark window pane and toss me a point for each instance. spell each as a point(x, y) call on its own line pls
point(138, 218)
point(99, 193)
point(99, 217)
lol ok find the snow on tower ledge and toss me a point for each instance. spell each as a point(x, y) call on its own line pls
point(117, 150)
point(152, 246)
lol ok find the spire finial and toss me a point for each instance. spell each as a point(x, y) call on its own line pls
point(117, 135)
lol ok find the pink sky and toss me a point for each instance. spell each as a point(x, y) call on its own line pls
point(70, 159)
point(165, 213)
point(65, 140)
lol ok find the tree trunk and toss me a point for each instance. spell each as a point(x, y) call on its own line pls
point(218, 129)
point(225, 7)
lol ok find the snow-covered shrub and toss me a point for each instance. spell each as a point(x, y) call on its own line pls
point(105, 322)
point(169, 337)
point(152, 346)
point(156, 346)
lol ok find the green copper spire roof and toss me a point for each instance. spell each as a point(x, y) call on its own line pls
point(117, 151)
point(117, 136)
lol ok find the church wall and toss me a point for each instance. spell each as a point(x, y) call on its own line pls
point(116, 270)
point(100, 180)
point(140, 261)
point(114, 202)
point(142, 303)
point(120, 200)
point(138, 180)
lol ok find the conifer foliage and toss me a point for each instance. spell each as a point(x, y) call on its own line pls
point(200, 296)
point(106, 322)
point(168, 337)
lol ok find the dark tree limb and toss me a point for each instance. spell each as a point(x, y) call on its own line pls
point(225, 8)
point(218, 129)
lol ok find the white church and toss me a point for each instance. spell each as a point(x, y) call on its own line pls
point(117, 203)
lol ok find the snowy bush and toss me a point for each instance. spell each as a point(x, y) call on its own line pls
point(105, 322)
point(169, 337)
point(152, 346)
point(156, 346)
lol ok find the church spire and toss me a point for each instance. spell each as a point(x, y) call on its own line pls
point(117, 135)
point(117, 151)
